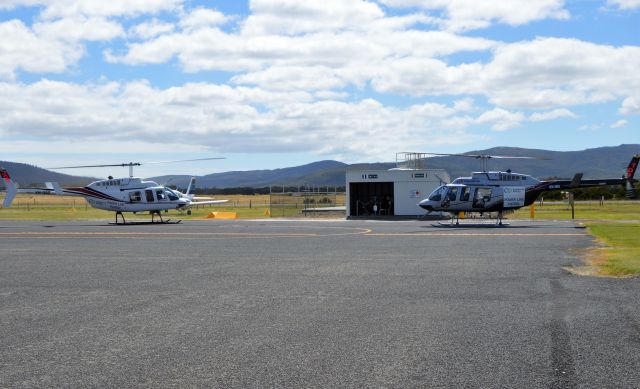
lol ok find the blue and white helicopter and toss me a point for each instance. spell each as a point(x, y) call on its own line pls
point(497, 191)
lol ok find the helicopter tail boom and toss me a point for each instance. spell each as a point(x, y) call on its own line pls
point(12, 188)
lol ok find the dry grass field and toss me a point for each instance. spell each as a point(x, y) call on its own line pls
point(47, 207)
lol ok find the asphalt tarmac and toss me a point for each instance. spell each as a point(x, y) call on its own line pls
point(310, 304)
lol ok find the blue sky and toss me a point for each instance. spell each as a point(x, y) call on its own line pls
point(277, 83)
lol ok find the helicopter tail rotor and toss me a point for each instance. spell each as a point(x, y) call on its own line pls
point(630, 191)
point(629, 181)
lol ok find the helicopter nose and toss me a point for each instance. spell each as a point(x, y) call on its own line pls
point(426, 204)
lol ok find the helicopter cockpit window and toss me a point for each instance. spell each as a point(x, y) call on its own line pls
point(466, 193)
point(171, 194)
point(134, 197)
point(160, 195)
point(482, 196)
point(453, 193)
point(436, 195)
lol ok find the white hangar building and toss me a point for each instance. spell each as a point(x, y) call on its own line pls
point(395, 191)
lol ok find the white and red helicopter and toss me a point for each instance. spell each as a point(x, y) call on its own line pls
point(497, 191)
point(130, 194)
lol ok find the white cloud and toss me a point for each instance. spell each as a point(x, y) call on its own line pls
point(79, 29)
point(473, 14)
point(543, 73)
point(22, 49)
point(202, 18)
point(553, 71)
point(464, 105)
point(630, 105)
point(73, 8)
point(200, 114)
point(294, 77)
point(299, 69)
point(501, 119)
point(624, 4)
point(11, 4)
point(551, 115)
point(151, 29)
point(290, 17)
point(354, 56)
point(56, 39)
point(618, 124)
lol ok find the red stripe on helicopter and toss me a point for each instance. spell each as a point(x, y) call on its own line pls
point(91, 193)
point(5, 174)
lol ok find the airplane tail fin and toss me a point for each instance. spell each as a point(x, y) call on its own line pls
point(631, 170)
point(12, 188)
point(577, 179)
point(57, 189)
point(192, 183)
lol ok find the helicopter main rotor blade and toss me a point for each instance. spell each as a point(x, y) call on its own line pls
point(79, 167)
point(513, 157)
point(184, 160)
point(128, 164)
point(485, 156)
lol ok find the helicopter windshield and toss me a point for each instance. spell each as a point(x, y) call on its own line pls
point(437, 194)
point(173, 196)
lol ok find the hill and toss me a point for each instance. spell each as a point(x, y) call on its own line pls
point(317, 173)
point(601, 162)
point(28, 175)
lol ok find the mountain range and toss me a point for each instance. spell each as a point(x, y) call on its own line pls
point(599, 162)
point(29, 175)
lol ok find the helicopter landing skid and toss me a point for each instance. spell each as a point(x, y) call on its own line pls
point(138, 222)
point(455, 222)
point(467, 225)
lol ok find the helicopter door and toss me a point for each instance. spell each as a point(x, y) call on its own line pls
point(451, 195)
point(149, 195)
point(482, 196)
point(465, 195)
point(134, 197)
point(160, 195)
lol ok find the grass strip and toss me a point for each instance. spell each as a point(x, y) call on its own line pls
point(618, 210)
point(622, 250)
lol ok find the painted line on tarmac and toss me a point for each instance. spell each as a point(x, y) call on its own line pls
point(148, 233)
point(162, 235)
point(483, 234)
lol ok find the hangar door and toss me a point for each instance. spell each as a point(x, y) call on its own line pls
point(371, 198)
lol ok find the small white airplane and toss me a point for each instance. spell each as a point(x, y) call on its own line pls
point(120, 195)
